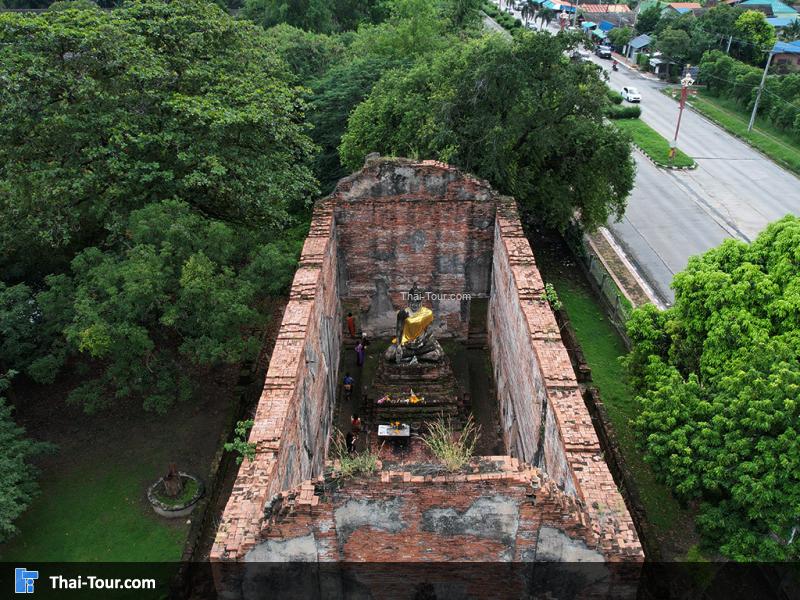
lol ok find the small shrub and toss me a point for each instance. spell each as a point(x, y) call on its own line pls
point(454, 452)
point(615, 97)
point(354, 464)
point(642, 60)
point(240, 444)
point(491, 10)
point(551, 295)
point(623, 112)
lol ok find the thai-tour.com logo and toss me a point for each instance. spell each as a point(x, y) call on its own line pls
point(24, 580)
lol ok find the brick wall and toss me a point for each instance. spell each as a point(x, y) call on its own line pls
point(294, 414)
point(497, 510)
point(400, 221)
point(543, 417)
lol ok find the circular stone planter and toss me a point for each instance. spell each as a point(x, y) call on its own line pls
point(175, 511)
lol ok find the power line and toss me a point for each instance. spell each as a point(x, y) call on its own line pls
point(752, 87)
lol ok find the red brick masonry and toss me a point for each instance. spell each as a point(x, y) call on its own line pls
point(436, 221)
point(493, 511)
point(397, 222)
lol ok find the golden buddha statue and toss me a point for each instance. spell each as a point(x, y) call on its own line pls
point(414, 340)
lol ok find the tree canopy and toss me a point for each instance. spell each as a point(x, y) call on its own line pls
point(320, 16)
point(718, 378)
point(756, 35)
point(152, 161)
point(517, 113)
point(648, 19)
point(17, 474)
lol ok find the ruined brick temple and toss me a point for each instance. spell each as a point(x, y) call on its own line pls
point(548, 497)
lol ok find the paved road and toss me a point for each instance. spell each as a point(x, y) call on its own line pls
point(672, 215)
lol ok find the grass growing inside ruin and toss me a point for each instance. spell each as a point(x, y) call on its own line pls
point(453, 450)
point(602, 346)
point(357, 463)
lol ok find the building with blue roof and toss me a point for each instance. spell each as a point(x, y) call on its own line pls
point(638, 44)
point(786, 56)
point(778, 8)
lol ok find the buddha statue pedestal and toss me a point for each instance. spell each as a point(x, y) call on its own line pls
point(415, 361)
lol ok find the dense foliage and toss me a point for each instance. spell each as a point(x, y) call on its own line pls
point(151, 159)
point(718, 377)
point(518, 113)
point(17, 474)
point(730, 78)
point(321, 16)
point(685, 38)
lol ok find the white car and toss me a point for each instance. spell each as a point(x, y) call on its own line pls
point(631, 94)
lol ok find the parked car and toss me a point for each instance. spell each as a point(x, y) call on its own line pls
point(631, 94)
point(603, 51)
point(581, 55)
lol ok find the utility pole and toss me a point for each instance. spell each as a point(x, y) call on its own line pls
point(760, 89)
point(686, 83)
point(575, 14)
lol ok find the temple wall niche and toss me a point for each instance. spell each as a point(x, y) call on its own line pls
point(400, 222)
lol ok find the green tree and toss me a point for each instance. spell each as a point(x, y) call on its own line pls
point(517, 113)
point(791, 32)
point(462, 14)
point(529, 11)
point(415, 28)
point(182, 292)
point(720, 21)
point(309, 55)
point(648, 19)
point(335, 96)
point(152, 162)
point(320, 16)
point(674, 43)
point(311, 15)
point(104, 112)
point(17, 472)
point(620, 36)
point(757, 36)
point(546, 16)
point(718, 378)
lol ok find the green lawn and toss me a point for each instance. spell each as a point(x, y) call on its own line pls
point(93, 503)
point(602, 346)
point(96, 512)
point(653, 143)
point(776, 144)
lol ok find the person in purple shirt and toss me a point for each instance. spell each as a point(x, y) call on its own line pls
point(360, 353)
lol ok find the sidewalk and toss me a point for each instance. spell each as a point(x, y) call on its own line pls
point(625, 62)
